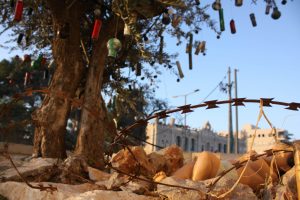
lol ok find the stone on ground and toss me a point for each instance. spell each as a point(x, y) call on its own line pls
point(241, 192)
point(133, 161)
point(35, 168)
point(20, 191)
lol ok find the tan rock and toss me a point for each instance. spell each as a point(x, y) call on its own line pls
point(186, 171)
point(158, 161)
point(225, 165)
point(206, 166)
point(289, 188)
point(116, 180)
point(174, 158)
point(97, 175)
point(159, 176)
point(132, 164)
point(74, 169)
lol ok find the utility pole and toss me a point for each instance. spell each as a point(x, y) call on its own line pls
point(230, 145)
point(236, 141)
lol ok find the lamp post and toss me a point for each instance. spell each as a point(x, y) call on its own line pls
point(185, 101)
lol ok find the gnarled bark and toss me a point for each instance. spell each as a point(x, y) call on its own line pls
point(51, 117)
point(90, 141)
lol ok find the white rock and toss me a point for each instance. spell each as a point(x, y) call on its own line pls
point(32, 168)
point(20, 191)
point(111, 195)
point(241, 192)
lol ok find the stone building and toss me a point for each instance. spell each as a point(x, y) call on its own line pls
point(205, 139)
point(265, 138)
point(190, 140)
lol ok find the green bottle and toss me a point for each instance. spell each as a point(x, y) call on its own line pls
point(37, 63)
point(221, 17)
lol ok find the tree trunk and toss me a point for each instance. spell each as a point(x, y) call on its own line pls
point(51, 118)
point(90, 141)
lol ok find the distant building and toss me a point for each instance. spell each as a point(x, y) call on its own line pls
point(205, 139)
point(191, 140)
point(265, 138)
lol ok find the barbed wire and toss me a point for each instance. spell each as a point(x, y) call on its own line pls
point(119, 137)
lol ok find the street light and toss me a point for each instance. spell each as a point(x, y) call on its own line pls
point(185, 101)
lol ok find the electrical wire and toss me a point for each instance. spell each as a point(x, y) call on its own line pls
point(213, 90)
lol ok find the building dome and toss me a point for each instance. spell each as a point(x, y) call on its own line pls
point(207, 125)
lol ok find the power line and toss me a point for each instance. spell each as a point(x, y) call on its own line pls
point(213, 90)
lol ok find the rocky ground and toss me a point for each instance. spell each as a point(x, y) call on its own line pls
point(74, 179)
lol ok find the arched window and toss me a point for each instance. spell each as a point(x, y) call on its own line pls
point(186, 144)
point(193, 144)
point(219, 147)
point(178, 141)
point(207, 146)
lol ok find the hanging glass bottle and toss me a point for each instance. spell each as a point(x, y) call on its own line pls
point(232, 26)
point(187, 47)
point(27, 78)
point(138, 69)
point(20, 38)
point(26, 58)
point(145, 38)
point(217, 5)
point(276, 13)
point(12, 3)
point(166, 19)
point(179, 69)
point(221, 18)
point(190, 51)
point(268, 8)
point(253, 20)
point(126, 30)
point(238, 3)
point(161, 47)
point(45, 74)
point(198, 48)
point(29, 11)
point(19, 11)
point(202, 46)
point(37, 63)
point(96, 29)
point(97, 25)
point(175, 20)
point(43, 61)
point(114, 46)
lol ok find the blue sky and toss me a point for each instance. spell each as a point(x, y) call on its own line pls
point(266, 57)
